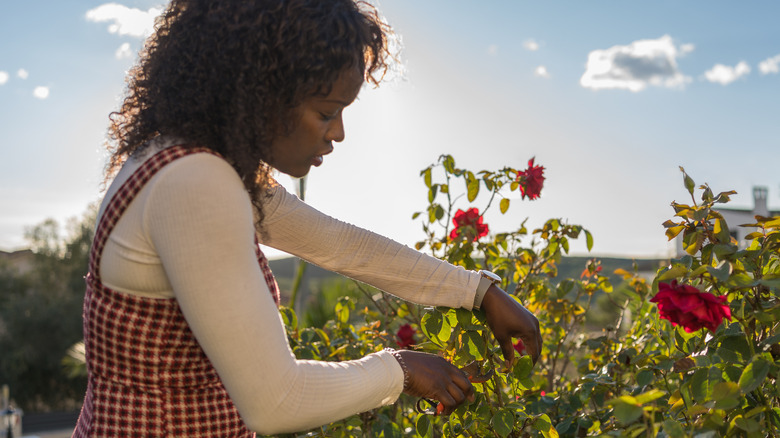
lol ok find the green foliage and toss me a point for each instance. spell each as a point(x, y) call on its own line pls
point(40, 317)
point(610, 365)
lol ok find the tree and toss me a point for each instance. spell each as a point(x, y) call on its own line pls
point(41, 316)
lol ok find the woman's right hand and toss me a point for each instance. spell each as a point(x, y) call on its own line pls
point(432, 377)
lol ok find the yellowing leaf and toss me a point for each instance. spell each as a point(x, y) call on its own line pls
point(504, 206)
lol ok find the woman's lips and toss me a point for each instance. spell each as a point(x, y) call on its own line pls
point(318, 159)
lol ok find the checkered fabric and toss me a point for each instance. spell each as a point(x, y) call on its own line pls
point(147, 374)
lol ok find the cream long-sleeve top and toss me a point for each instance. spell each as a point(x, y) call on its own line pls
point(189, 235)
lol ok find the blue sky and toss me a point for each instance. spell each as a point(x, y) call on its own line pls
point(611, 97)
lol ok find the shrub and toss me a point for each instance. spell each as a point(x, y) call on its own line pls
point(695, 359)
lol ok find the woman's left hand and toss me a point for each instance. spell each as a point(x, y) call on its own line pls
point(509, 319)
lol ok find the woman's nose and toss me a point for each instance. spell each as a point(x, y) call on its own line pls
point(336, 130)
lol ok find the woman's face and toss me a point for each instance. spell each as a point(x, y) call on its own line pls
point(318, 125)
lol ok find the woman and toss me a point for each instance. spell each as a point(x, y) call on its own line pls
point(181, 326)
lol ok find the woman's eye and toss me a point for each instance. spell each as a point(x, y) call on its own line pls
point(329, 116)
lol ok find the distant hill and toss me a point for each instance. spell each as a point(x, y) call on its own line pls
point(570, 267)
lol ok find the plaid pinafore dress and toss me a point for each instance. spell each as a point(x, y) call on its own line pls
point(147, 375)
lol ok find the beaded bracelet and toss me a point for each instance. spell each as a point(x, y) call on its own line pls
point(401, 362)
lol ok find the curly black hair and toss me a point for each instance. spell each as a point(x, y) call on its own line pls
point(227, 75)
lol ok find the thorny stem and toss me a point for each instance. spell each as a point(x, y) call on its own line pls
point(490, 201)
point(450, 204)
point(371, 298)
point(771, 413)
point(669, 390)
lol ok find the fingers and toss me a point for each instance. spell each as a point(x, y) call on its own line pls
point(508, 350)
point(455, 395)
point(508, 319)
point(432, 377)
point(463, 384)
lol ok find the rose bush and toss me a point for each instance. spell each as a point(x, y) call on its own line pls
point(652, 371)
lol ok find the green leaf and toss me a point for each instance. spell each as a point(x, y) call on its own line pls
point(449, 163)
point(700, 388)
point(734, 348)
point(673, 272)
point(647, 397)
point(472, 186)
point(689, 184)
point(431, 325)
point(564, 426)
point(523, 367)
point(466, 319)
point(544, 425)
point(504, 206)
point(673, 429)
point(672, 232)
point(749, 426)
point(424, 426)
point(741, 280)
point(644, 377)
point(432, 192)
point(289, 317)
point(754, 374)
point(427, 177)
point(626, 409)
point(439, 213)
point(589, 240)
point(503, 422)
point(432, 213)
point(754, 235)
point(721, 230)
point(722, 272)
point(476, 345)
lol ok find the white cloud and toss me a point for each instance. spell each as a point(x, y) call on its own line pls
point(3, 77)
point(770, 65)
point(637, 65)
point(123, 20)
point(22, 73)
point(41, 92)
point(725, 74)
point(123, 51)
point(686, 49)
point(492, 50)
point(531, 45)
point(541, 72)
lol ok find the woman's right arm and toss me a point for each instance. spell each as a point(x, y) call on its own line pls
point(203, 231)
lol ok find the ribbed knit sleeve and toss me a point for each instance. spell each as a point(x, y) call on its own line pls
point(297, 228)
point(203, 232)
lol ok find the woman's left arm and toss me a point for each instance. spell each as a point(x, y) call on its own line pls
point(299, 229)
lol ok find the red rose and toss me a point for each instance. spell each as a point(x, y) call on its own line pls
point(468, 223)
point(687, 306)
point(405, 335)
point(519, 346)
point(531, 180)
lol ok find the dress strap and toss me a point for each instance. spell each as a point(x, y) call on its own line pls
point(127, 192)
